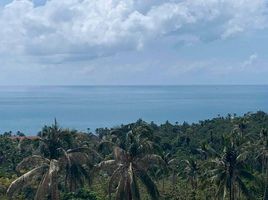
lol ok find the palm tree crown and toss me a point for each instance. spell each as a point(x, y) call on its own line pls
point(132, 158)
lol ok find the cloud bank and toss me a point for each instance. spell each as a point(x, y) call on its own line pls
point(87, 29)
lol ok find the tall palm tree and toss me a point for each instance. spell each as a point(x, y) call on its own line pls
point(229, 171)
point(54, 161)
point(53, 137)
point(131, 162)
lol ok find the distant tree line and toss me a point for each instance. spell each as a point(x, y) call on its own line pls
point(220, 158)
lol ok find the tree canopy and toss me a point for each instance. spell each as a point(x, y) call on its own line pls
point(219, 158)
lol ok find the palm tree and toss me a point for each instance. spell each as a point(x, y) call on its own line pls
point(131, 162)
point(53, 162)
point(229, 172)
point(53, 137)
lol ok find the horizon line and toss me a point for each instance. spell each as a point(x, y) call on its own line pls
point(127, 85)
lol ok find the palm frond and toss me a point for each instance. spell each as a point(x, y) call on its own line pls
point(25, 179)
point(243, 156)
point(66, 157)
point(43, 188)
point(133, 184)
point(120, 190)
point(86, 150)
point(106, 165)
point(31, 161)
point(173, 162)
point(79, 158)
point(105, 144)
point(115, 176)
point(221, 192)
point(244, 189)
point(150, 161)
point(149, 184)
point(148, 146)
point(246, 175)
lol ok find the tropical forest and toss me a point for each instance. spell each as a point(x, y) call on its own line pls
point(224, 158)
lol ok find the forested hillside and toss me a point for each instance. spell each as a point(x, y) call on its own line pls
point(222, 158)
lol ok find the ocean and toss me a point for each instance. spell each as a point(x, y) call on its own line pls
point(29, 108)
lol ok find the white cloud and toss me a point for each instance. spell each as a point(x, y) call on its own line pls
point(245, 15)
point(252, 59)
point(70, 28)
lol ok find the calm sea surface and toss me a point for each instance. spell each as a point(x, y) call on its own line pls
point(29, 108)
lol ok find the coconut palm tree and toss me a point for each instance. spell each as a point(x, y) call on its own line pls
point(52, 138)
point(54, 161)
point(131, 162)
point(229, 171)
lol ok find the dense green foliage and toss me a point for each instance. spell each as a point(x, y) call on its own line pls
point(221, 158)
point(80, 195)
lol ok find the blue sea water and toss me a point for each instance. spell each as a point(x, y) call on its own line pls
point(27, 108)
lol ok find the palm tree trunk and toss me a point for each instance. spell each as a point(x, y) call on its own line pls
point(231, 191)
point(55, 195)
point(234, 192)
point(53, 169)
point(129, 191)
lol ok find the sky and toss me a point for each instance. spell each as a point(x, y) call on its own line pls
point(133, 42)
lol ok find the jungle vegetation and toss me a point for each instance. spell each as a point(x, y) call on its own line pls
point(220, 158)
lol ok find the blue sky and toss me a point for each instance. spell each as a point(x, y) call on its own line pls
point(133, 42)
